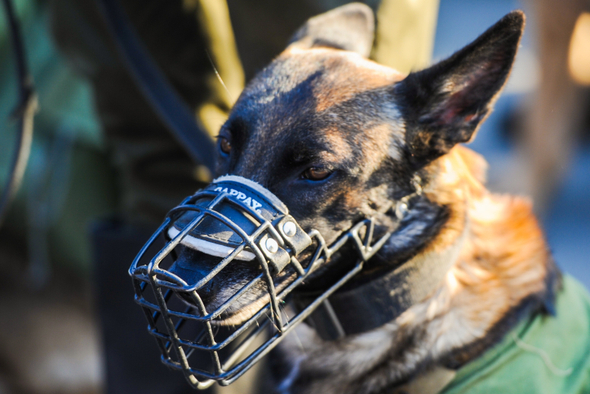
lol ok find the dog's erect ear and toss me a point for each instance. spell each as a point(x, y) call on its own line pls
point(350, 27)
point(443, 105)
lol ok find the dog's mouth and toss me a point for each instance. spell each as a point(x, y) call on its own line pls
point(224, 295)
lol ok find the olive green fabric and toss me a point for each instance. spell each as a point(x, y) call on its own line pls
point(405, 34)
point(545, 355)
point(154, 172)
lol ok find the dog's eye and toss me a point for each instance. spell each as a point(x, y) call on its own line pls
point(224, 145)
point(316, 173)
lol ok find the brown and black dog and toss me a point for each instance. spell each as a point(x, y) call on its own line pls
point(338, 138)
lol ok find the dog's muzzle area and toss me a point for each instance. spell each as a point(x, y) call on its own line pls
point(213, 279)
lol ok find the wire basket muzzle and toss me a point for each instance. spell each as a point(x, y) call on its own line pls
point(213, 279)
point(233, 222)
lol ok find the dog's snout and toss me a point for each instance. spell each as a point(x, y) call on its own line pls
point(193, 266)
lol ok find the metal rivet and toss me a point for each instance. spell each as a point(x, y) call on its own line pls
point(289, 229)
point(271, 245)
point(401, 210)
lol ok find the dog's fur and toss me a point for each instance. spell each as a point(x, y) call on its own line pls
point(323, 104)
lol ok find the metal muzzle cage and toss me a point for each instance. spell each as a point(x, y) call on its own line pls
point(232, 221)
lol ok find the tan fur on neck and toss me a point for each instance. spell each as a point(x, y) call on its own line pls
point(503, 260)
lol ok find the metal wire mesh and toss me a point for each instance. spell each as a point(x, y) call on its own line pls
point(190, 337)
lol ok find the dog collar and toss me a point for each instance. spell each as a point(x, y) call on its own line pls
point(383, 299)
point(232, 221)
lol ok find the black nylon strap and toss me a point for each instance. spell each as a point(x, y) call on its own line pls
point(171, 109)
point(383, 299)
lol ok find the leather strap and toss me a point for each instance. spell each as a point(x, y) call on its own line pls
point(383, 299)
point(246, 205)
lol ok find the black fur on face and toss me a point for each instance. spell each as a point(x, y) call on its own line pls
point(320, 107)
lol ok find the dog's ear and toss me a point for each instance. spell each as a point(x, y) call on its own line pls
point(444, 105)
point(350, 28)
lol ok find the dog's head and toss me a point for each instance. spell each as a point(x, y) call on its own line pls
point(338, 138)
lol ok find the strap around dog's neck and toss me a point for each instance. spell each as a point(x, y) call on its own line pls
point(383, 299)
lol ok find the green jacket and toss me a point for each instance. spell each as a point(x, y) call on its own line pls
point(545, 355)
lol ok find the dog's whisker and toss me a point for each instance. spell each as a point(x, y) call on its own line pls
point(297, 338)
point(272, 321)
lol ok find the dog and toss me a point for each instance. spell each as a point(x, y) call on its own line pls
point(338, 138)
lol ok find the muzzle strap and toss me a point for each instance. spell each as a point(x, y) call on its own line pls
point(251, 205)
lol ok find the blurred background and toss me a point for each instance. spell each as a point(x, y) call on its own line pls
point(103, 170)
